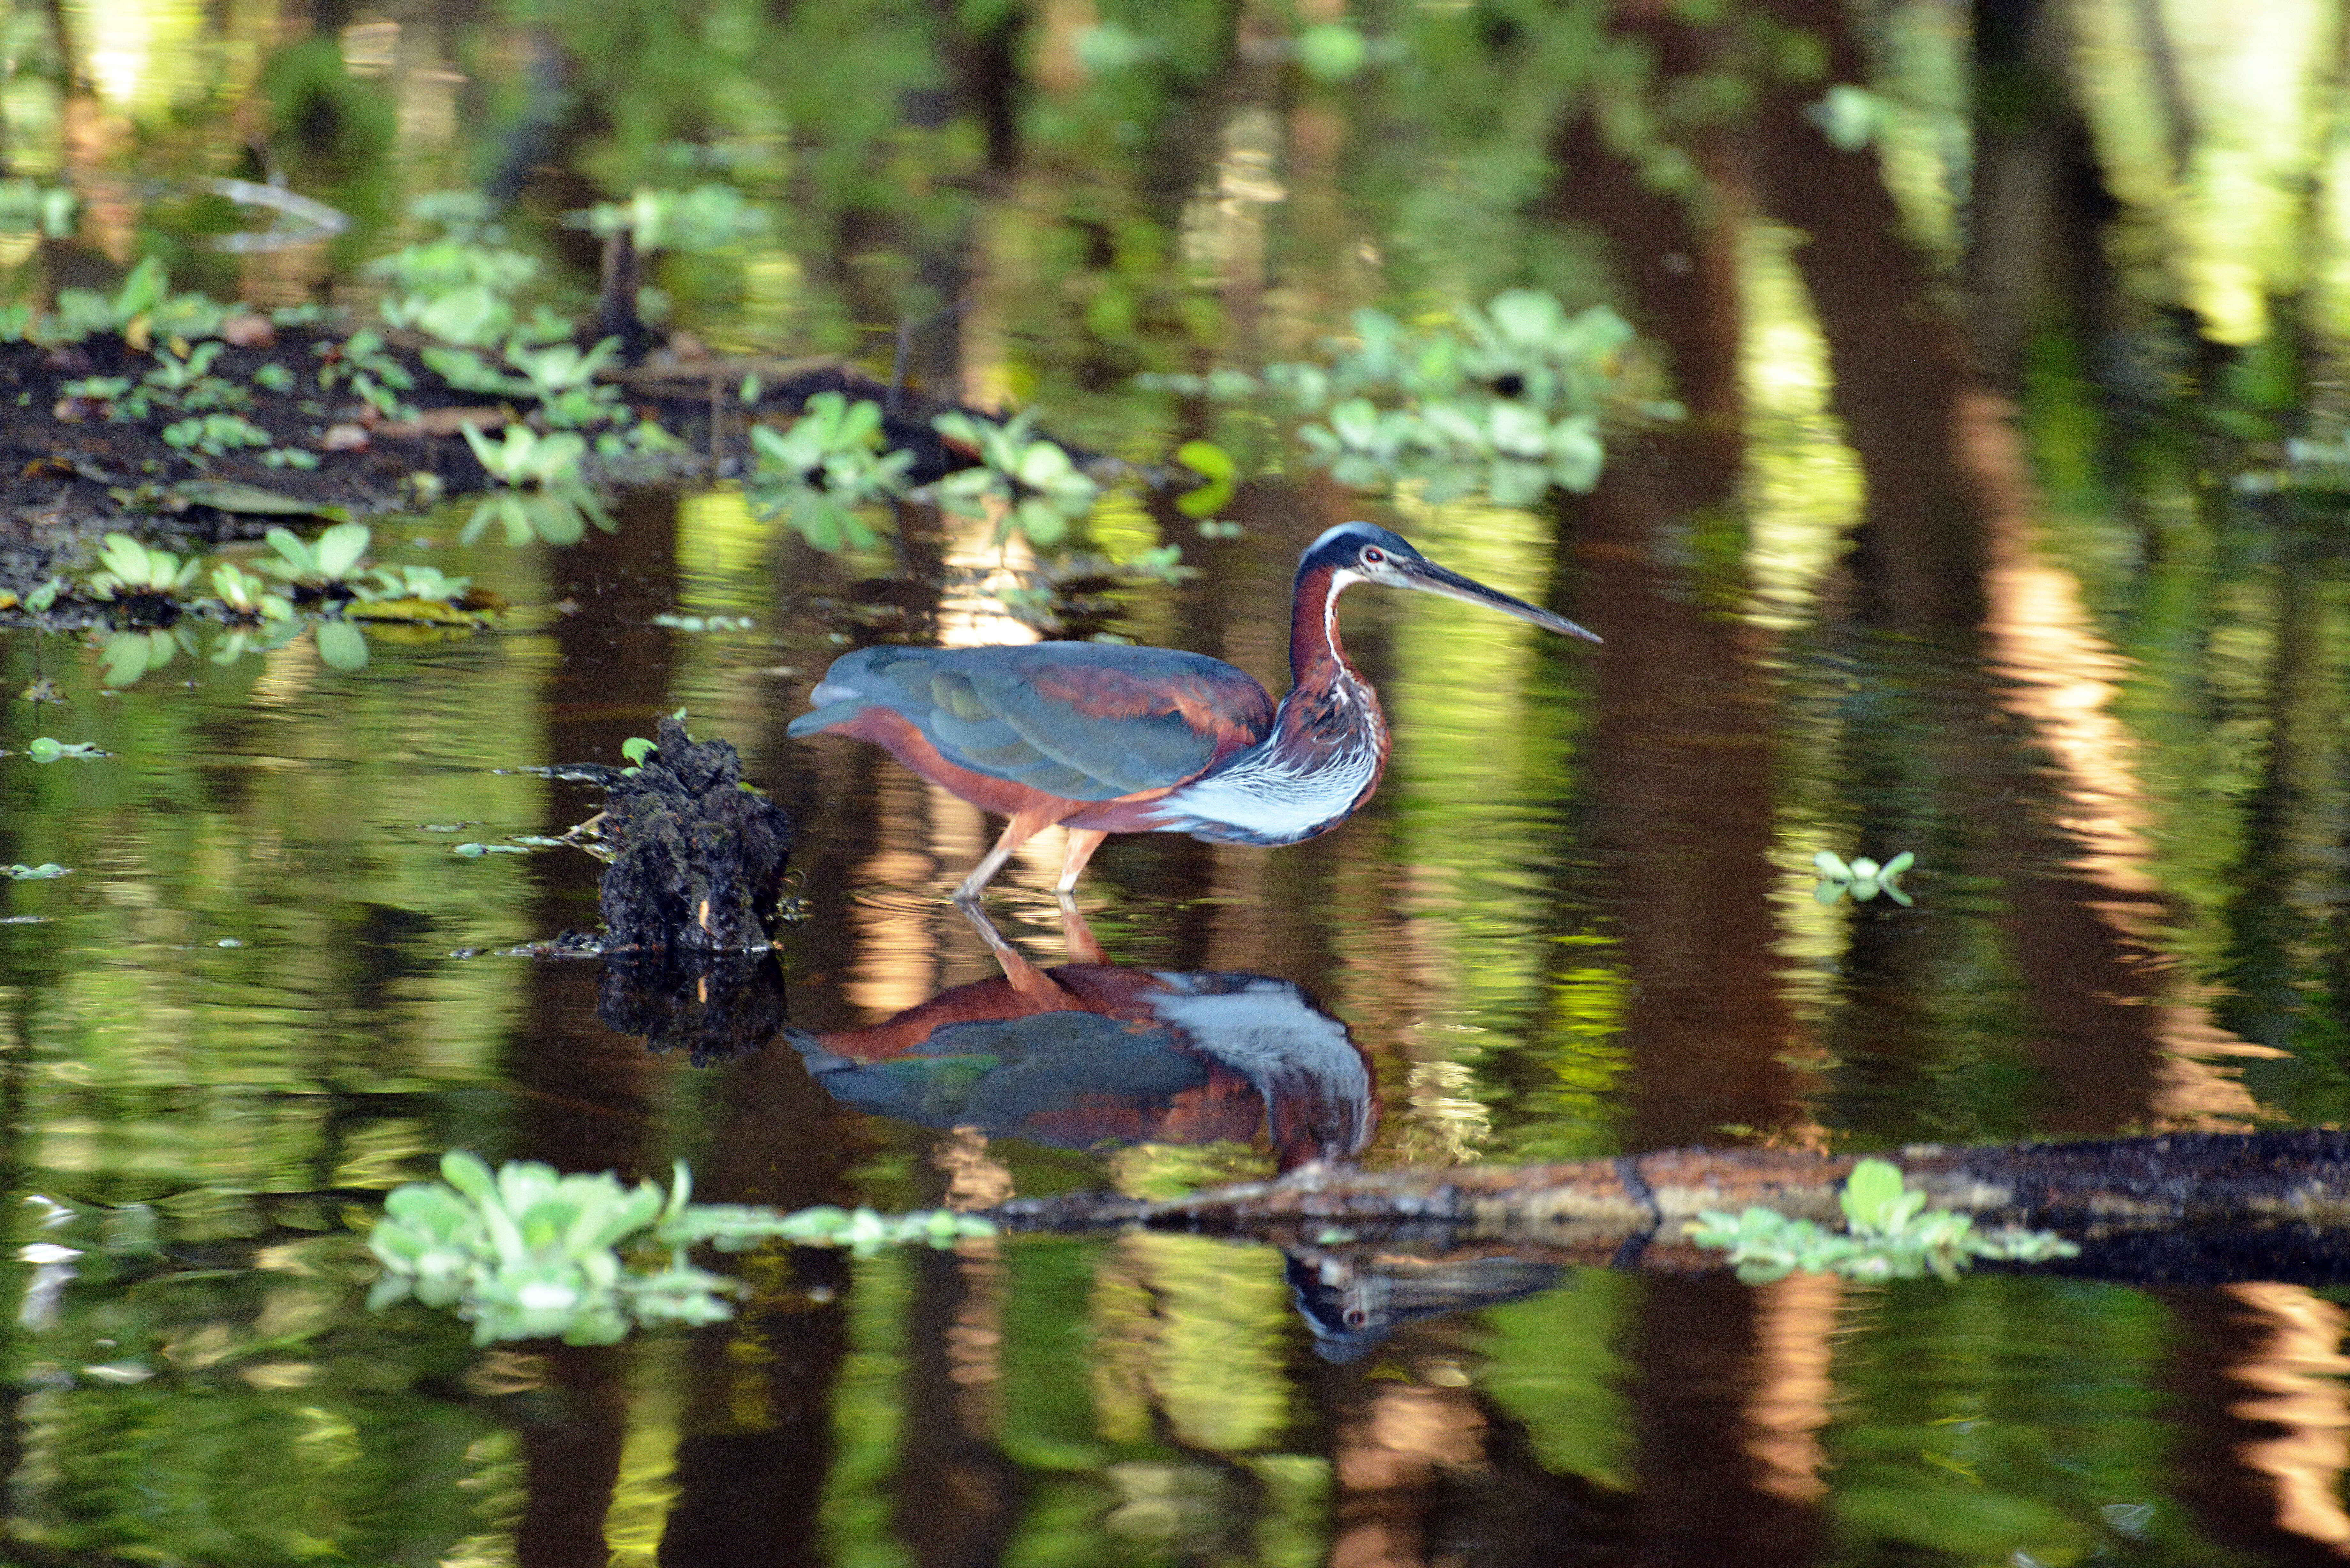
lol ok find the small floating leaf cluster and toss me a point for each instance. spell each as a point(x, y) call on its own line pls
point(707, 218)
point(821, 472)
point(541, 491)
point(263, 606)
point(1886, 1236)
point(1507, 402)
point(1862, 878)
point(1024, 483)
point(827, 471)
point(528, 1253)
point(48, 749)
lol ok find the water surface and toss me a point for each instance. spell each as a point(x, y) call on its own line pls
point(2019, 625)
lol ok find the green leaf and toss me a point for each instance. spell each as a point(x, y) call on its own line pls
point(861, 426)
point(146, 286)
point(1356, 422)
point(637, 748)
point(1207, 500)
point(1873, 1193)
point(341, 645)
point(1041, 521)
point(1846, 115)
point(340, 549)
point(1207, 460)
point(468, 1174)
point(247, 500)
point(1332, 52)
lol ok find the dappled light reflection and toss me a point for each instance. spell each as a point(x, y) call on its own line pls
point(2293, 1380)
point(2059, 675)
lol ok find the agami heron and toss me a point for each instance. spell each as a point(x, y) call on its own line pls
point(1103, 738)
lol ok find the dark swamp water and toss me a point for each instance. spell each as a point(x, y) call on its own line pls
point(1981, 540)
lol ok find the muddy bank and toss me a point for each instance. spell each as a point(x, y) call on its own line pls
point(77, 463)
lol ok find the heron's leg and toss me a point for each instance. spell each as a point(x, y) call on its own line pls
point(1023, 826)
point(1027, 981)
point(1083, 945)
point(1083, 842)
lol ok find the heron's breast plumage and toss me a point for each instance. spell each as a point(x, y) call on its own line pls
point(1323, 758)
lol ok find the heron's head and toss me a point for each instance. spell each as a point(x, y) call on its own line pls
point(1363, 553)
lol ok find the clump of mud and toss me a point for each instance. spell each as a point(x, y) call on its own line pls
point(699, 860)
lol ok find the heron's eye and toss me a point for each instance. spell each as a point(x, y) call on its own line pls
point(1373, 556)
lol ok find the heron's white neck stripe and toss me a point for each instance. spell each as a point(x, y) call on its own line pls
point(1340, 580)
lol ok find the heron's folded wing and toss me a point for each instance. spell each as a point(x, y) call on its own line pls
point(1149, 721)
point(1082, 721)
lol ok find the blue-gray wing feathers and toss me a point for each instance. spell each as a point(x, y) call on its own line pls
point(1084, 720)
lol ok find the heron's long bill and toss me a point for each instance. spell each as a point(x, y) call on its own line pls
point(1431, 578)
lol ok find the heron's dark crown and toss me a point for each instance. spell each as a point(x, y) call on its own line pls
point(1339, 547)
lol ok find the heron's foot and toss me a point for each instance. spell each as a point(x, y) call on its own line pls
point(1083, 842)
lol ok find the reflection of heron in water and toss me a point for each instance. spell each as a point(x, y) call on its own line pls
point(1352, 1303)
point(1090, 1052)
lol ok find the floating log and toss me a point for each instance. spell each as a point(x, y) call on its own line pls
point(2176, 1207)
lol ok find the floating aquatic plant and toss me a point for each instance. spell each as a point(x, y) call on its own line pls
point(247, 598)
point(47, 749)
point(457, 289)
point(823, 471)
point(417, 593)
point(1862, 878)
point(133, 570)
point(545, 497)
point(362, 362)
point(563, 379)
point(706, 218)
point(528, 1253)
point(1888, 1235)
point(1024, 483)
point(1506, 401)
point(174, 376)
point(82, 312)
point(110, 396)
point(330, 560)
